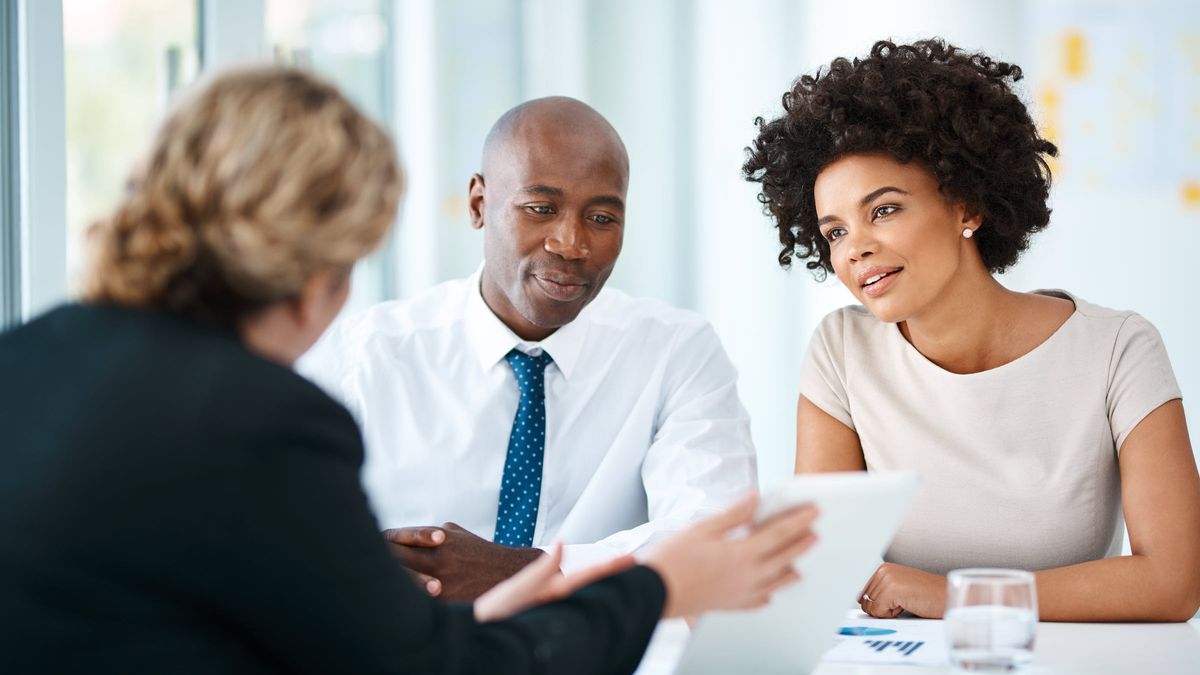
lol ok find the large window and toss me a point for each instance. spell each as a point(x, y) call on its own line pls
point(347, 41)
point(123, 59)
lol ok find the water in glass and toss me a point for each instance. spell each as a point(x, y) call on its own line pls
point(991, 619)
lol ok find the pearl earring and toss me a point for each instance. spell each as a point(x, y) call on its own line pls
point(968, 233)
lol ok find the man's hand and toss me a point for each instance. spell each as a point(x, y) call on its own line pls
point(418, 537)
point(455, 562)
point(895, 588)
point(541, 581)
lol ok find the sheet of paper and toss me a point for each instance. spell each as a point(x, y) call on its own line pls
point(914, 642)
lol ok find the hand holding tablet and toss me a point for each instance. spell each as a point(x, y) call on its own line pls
point(860, 513)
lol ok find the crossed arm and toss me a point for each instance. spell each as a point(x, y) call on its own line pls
point(1160, 494)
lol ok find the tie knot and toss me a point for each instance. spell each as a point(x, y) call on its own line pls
point(530, 370)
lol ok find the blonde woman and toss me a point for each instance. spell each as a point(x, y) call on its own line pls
point(173, 498)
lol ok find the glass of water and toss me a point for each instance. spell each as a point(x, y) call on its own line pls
point(991, 618)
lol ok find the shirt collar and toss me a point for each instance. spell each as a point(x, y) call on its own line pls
point(491, 339)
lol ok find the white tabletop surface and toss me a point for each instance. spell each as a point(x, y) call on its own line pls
point(1060, 649)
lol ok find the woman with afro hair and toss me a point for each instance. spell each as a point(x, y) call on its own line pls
point(1038, 421)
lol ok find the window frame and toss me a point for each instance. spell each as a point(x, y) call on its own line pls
point(10, 182)
point(41, 157)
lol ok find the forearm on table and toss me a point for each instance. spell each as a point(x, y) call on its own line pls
point(580, 555)
point(1125, 588)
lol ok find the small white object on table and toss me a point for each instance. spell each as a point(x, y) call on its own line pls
point(1061, 649)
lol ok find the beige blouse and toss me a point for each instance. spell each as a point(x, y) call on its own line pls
point(1018, 463)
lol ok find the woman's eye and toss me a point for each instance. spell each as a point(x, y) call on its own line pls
point(835, 233)
point(885, 210)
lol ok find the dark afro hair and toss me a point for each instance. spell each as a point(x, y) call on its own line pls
point(950, 111)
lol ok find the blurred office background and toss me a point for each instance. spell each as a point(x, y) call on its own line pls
point(1116, 83)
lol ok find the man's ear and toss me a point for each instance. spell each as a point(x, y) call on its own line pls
point(475, 200)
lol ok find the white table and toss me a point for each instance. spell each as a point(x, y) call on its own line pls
point(1061, 649)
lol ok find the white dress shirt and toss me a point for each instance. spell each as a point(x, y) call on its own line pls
point(644, 431)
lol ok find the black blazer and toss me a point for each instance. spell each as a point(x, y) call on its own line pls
point(170, 502)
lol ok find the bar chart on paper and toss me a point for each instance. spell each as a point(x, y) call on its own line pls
point(892, 642)
point(907, 648)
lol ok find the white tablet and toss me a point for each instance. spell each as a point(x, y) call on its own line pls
point(860, 513)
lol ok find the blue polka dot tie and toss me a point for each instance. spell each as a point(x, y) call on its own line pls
point(521, 486)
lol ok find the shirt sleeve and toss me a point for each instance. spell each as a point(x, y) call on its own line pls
point(701, 457)
point(823, 373)
point(305, 577)
point(1140, 377)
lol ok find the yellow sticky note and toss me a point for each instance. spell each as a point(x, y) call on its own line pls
point(1074, 50)
point(1191, 194)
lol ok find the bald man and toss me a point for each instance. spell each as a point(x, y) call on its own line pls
point(528, 403)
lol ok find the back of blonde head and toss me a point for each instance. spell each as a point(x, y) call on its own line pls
point(256, 181)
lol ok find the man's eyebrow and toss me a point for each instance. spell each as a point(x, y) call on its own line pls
point(547, 190)
point(608, 200)
point(870, 196)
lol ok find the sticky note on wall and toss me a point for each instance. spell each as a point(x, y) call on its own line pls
point(1074, 53)
point(1191, 194)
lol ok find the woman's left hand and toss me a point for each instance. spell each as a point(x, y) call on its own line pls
point(895, 588)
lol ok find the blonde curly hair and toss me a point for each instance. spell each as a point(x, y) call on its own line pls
point(257, 180)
